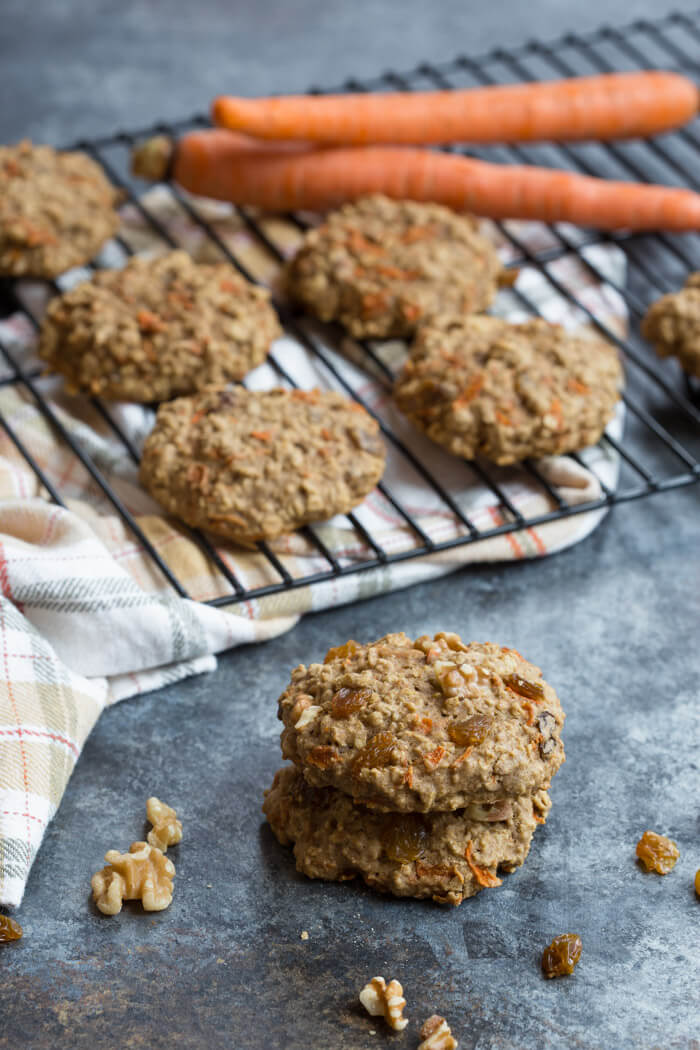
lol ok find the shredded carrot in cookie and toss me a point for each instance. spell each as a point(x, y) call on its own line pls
point(408, 777)
point(529, 709)
point(433, 759)
point(465, 754)
point(149, 322)
point(411, 311)
point(482, 876)
point(576, 387)
point(418, 233)
point(470, 391)
point(261, 435)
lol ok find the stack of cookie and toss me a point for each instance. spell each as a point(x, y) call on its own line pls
point(421, 766)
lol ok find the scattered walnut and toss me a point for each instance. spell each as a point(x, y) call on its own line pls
point(657, 853)
point(167, 829)
point(385, 1000)
point(436, 1035)
point(304, 935)
point(144, 873)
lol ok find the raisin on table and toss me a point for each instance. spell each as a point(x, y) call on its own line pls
point(561, 956)
point(9, 929)
point(657, 853)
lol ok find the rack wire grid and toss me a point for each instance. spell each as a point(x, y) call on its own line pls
point(661, 446)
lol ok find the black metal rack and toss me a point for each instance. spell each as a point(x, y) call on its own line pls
point(661, 448)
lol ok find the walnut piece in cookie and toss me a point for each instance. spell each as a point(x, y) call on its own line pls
point(381, 266)
point(436, 1035)
point(252, 465)
point(158, 328)
point(144, 873)
point(447, 856)
point(672, 325)
point(167, 829)
point(385, 1000)
point(56, 210)
point(481, 386)
point(421, 725)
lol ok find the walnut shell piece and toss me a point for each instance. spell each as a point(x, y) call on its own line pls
point(144, 873)
point(385, 1000)
point(167, 829)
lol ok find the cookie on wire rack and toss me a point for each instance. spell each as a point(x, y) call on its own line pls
point(381, 267)
point(482, 386)
point(672, 325)
point(253, 465)
point(57, 209)
point(158, 328)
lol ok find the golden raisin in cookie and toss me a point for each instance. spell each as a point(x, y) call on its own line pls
point(158, 328)
point(672, 325)
point(380, 267)
point(483, 386)
point(424, 725)
point(254, 465)
point(56, 210)
point(448, 856)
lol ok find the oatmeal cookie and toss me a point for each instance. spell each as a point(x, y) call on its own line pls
point(483, 386)
point(158, 328)
point(447, 856)
point(56, 210)
point(672, 325)
point(380, 267)
point(425, 725)
point(253, 465)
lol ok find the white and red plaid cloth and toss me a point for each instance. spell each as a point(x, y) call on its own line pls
point(87, 620)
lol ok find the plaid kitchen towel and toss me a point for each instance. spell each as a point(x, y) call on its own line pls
point(86, 618)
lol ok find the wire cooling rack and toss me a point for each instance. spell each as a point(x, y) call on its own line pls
point(661, 447)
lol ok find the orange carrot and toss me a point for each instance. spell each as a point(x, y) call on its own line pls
point(214, 164)
point(482, 875)
point(609, 106)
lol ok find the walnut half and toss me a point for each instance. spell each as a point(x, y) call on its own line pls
point(167, 829)
point(144, 873)
point(436, 1035)
point(385, 1000)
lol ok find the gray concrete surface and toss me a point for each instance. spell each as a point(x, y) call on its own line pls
point(613, 623)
